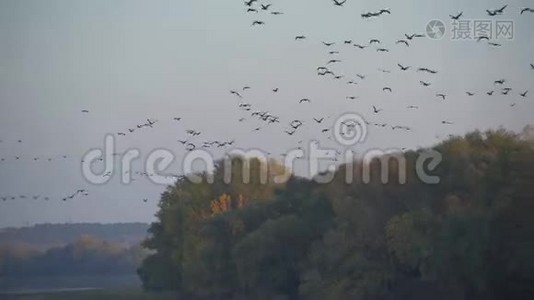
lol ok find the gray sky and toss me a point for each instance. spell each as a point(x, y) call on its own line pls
point(126, 61)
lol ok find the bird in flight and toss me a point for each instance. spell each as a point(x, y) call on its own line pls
point(360, 46)
point(236, 93)
point(300, 37)
point(332, 61)
point(246, 88)
point(328, 44)
point(469, 94)
point(277, 13)
point(373, 41)
point(500, 81)
point(446, 122)
point(348, 42)
point(376, 110)
point(249, 3)
point(176, 119)
point(457, 17)
point(339, 3)
point(403, 68)
point(250, 9)
point(405, 42)
point(494, 44)
point(412, 36)
point(423, 83)
point(426, 70)
point(387, 89)
point(305, 100)
point(275, 90)
point(490, 93)
point(319, 121)
point(258, 23)
point(352, 98)
point(85, 111)
point(441, 95)
point(532, 66)
point(265, 6)
point(524, 94)
point(526, 9)
point(382, 50)
point(495, 12)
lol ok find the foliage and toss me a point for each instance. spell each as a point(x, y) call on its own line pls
point(469, 237)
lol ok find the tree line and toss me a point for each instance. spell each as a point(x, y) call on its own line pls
point(468, 237)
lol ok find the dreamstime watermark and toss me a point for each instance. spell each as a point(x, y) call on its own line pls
point(472, 29)
point(349, 130)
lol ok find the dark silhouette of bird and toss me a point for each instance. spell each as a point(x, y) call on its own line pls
point(490, 93)
point(332, 61)
point(145, 200)
point(495, 12)
point(360, 76)
point(405, 42)
point(376, 110)
point(275, 90)
point(457, 17)
point(352, 98)
point(385, 11)
point(494, 44)
point(446, 122)
point(338, 77)
point(413, 107)
point(300, 37)
point(290, 132)
point(319, 121)
point(304, 100)
point(469, 94)
point(325, 130)
point(482, 37)
point(333, 52)
point(277, 13)
point(423, 83)
point(85, 111)
point(265, 6)
point(177, 119)
point(246, 88)
point(532, 66)
point(500, 81)
point(524, 94)
point(236, 93)
point(347, 42)
point(443, 96)
point(374, 41)
point(258, 23)
point(360, 46)
point(249, 3)
point(382, 50)
point(387, 89)
point(250, 9)
point(328, 44)
point(414, 35)
point(427, 70)
point(339, 3)
point(526, 9)
point(403, 68)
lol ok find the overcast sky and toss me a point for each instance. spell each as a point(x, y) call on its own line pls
point(126, 61)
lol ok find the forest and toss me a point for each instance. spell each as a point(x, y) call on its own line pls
point(471, 236)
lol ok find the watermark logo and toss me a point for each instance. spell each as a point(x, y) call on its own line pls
point(489, 30)
point(348, 130)
point(435, 29)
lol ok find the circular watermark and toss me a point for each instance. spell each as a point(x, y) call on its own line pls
point(435, 29)
point(350, 129)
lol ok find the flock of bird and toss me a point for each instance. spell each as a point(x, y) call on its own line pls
point(194, 139)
